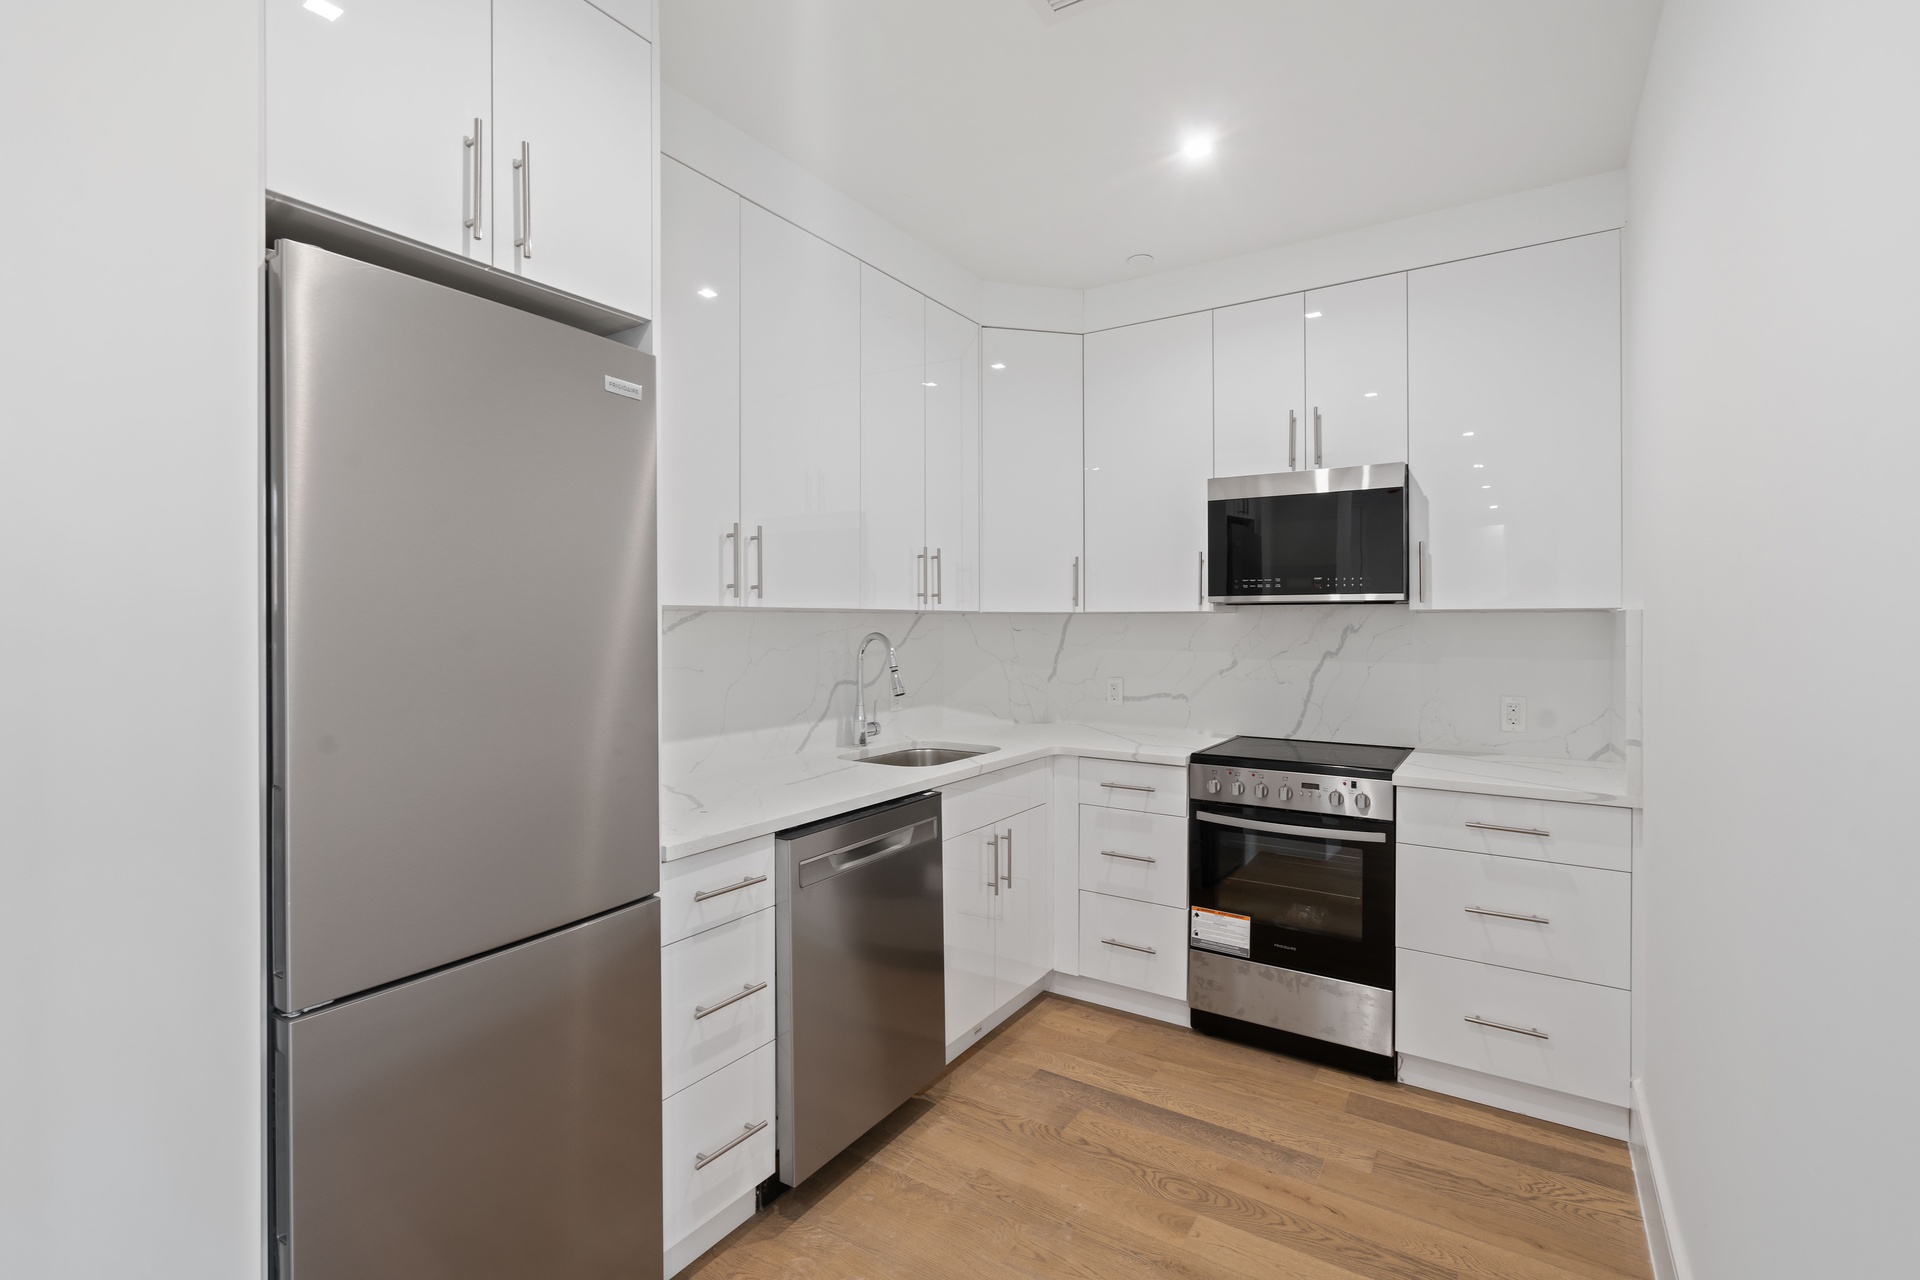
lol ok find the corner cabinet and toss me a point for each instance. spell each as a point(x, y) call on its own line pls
point(518, 133)
point(1032, 559)
point(1515, 429)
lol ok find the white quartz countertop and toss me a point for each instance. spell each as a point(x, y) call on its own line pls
point(1575, 781)
point(726, 798)
point(718, 792)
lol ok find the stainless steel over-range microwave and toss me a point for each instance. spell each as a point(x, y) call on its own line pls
point(1297, 537)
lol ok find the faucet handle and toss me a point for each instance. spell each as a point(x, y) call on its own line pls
point(869, 732)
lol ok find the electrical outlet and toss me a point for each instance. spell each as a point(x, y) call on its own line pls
point(1513, 714)
point(1116, 693)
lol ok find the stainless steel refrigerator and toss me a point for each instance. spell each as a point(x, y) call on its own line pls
point(464, 806)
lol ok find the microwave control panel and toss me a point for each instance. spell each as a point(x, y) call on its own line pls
point(1329, 793)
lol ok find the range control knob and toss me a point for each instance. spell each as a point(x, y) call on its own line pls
point(1284, 794)
point(1214, 786)
point(1335, 799)
point(1362, 802)
point(1260, 791)
point(1239, 788)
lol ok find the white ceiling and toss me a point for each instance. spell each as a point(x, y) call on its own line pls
point(1044, 150)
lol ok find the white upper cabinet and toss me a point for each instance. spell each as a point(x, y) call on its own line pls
point(699, 407)
point(893, 554)
point(1259, 387)
point(1031, 557)
point(952, 387)
point(1356, 364)
point(572, 151)
point(1516, 425)
point(372, 115)
point(1149, 452)
point(799, 416)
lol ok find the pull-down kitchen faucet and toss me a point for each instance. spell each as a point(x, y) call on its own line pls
point(866, 730)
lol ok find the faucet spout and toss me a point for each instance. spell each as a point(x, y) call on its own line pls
point(866, 730)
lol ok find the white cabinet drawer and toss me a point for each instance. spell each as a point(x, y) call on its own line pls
point(1582, 835)
point(1134, 855)
point(699, 1178)
point(714, 887)
point(993, 797)
point(1135, 944)
point(1570, 1036)
point(716, 999)
point(1571, 922)
point(1127, 784)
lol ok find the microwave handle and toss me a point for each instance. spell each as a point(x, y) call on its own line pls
point(1293, 440)
point(1312, 833)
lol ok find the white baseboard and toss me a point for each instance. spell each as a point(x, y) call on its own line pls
point(971, 1038)
point(708, 1234)
point(1125, 999)
point(1512, 1095)
point(1669, 1259)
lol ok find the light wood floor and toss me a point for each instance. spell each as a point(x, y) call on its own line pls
point(1078, 1141)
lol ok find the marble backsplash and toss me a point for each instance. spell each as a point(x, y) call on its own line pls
point(781, 681)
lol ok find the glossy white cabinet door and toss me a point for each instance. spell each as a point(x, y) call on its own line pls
point(1031, 556)
point(1149, 456)
point(1515, 432)
point(370, 115)
point(892, 443)
point(968, 908)
point(799, 415)
point(1022, 929)
point(1259, 387)
point(699, 410)
point(1356, 374)
point(953, 457)
point(576, 88)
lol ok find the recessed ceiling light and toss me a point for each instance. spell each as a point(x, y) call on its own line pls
point(1198, 146)
point(1140, 260)
point(1478, 465)
point(1371, 394)
point(996, 366)
point(331, 12)
point(708, 293)
point(1313, 315)
point(1466, 433)
point(1486, 486)
point(929, 384)
point(1494, 507)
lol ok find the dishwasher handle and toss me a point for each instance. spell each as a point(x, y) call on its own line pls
point(822, 866)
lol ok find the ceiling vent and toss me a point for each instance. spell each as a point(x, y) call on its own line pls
point(1054, 10)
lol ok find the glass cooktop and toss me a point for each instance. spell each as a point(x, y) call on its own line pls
point(1310, 757)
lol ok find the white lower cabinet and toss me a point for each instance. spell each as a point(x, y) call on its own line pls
point(1129, 784)
point(1551, 1032)
point(1134, 944)
point(1586, 835)
point(716, 998)
point(712, 888)
point(1127, 854)
point(998, 886)
point(717, 1142)
point(1567, 922)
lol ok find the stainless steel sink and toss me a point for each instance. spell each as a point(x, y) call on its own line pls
point(920, 755)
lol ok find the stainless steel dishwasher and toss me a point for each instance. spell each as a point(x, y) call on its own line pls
point(861, 974)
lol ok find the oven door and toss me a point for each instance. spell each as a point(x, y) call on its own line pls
point(1297, 891)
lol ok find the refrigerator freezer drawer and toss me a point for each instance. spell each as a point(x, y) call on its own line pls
point(493, 1121)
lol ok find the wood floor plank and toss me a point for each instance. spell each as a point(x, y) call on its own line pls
point(1080, 1142)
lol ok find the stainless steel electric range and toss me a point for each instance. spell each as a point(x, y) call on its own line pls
point(1291, 870)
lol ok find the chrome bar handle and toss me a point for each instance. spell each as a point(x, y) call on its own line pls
point(708, 895)
point(1293, 431)
point(524, 241)
point(479, 190)
point(759, 542)
point(1505, 915)
point(1420, 570)
point(995, 881)
point(1125, 786)
point(701, 1159)
point(1076, 582)
point(1130, 946)
point(751, 989)
point(733, 538)
point(1535, 1032)
point(1201, 597)
point(1319, 437)
point(1008, 873)
point(921, 562)
point(939, 576)
point(1129, 857)
point(1518, 831)
point(1335, 834)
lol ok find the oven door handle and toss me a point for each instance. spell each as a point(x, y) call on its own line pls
point(1312, 833)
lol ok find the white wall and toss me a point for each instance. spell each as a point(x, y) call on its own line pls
point(1774, 267)
point(131, 1029)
